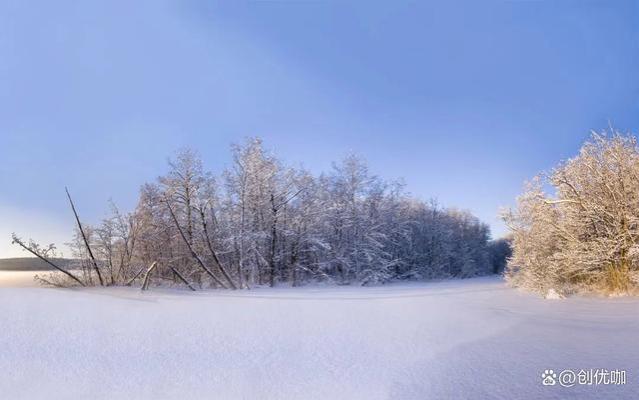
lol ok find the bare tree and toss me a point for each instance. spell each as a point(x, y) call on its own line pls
point(42, 254)
point(84, 237)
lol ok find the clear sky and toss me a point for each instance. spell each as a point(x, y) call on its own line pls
point(463, 101)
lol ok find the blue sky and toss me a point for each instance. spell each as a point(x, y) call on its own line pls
point(463, 101)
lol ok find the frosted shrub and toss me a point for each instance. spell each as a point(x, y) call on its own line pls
point(584, 235)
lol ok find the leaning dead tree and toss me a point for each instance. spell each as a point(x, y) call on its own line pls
point(195, 256)
point(130, 282)
point(84, 238)
point(209, 245)
point(33, 249)
point(147, 276)
point(182, 278)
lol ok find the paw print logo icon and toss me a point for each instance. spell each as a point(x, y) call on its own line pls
point(548, 377)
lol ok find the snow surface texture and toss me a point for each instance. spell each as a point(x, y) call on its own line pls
point(471, 339)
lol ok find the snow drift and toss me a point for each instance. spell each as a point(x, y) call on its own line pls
point(450, 340)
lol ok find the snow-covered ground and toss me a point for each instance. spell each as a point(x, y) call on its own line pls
point(471, 339)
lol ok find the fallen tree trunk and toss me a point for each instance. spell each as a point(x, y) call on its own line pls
point(183, 279)
point(130, 282)
point(145, 284)
point(19, 242)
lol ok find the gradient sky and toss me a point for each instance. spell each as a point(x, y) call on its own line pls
point(463, 101)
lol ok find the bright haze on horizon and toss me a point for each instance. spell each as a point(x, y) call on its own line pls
point(464, 101)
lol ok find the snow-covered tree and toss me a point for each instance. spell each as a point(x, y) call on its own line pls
point(264, 223)
point(584, 235)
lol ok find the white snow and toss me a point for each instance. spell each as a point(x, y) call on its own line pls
point(552, 294)
point(470, 339)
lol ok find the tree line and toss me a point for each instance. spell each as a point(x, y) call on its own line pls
point(261, 222)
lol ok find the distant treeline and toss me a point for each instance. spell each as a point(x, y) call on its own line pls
point(31, 264)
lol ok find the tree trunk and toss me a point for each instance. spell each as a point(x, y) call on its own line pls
point(183, 279)
point(69, 274)
point(188, 245)
point(271, 261)
point(84, 238)
point(130, 282)
point(147, 276)
point(213, 253)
